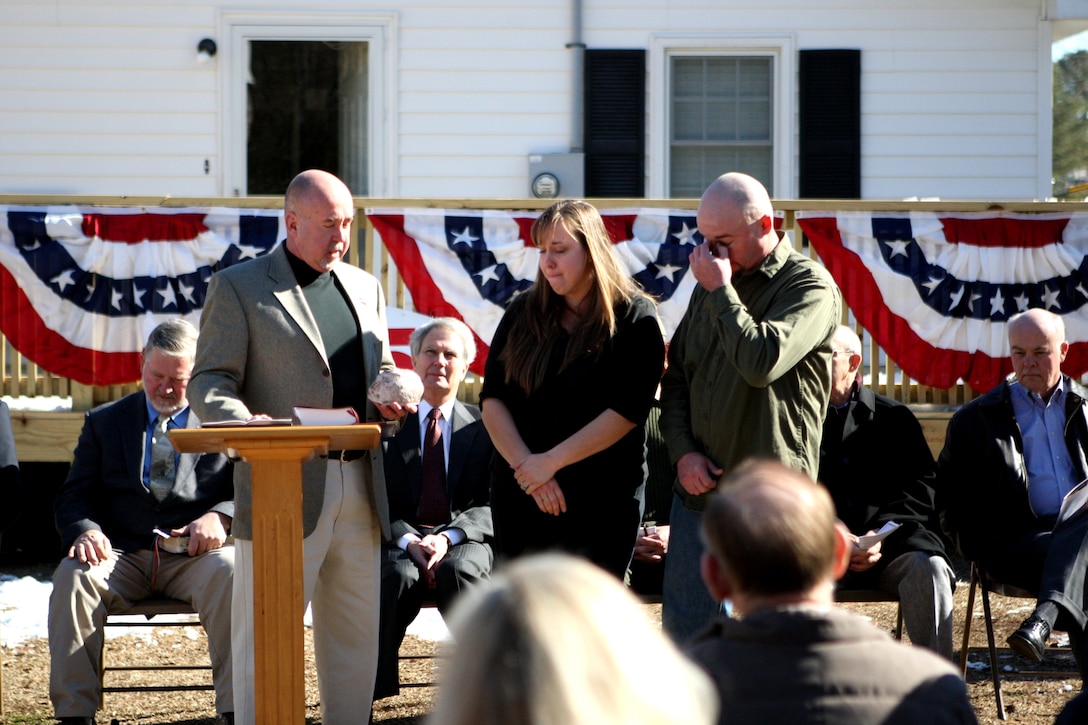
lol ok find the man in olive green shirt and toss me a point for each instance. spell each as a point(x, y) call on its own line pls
point(749, 372)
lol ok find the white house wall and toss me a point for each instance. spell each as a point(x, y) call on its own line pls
point(107, 98)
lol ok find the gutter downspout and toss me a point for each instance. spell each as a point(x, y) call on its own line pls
point(578, 64)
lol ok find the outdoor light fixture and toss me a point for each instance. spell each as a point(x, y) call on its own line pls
point(205, 49)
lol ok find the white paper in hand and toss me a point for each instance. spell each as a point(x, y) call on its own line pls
point(1074, 501)
point(865, 542)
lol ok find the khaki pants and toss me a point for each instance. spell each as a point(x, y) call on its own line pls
point(82, 594)
point(341, 582)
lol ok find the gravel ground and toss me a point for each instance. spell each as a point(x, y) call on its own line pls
point(1029, 700)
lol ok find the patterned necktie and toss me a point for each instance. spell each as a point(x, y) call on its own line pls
point(434, 508)
point(161, 477)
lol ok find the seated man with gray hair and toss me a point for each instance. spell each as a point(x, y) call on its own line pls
point(127, 481)
point(877, 466)
point(1009, 460)
point(775, 549)
point(436, 476)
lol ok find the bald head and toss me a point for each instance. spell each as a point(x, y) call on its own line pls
point(846, 340)
point(772, 532)
point(1038, 319)
point(741, 192)
point(318, 211)
point(313, 182)
point(1038, 348)
point(845, 362)
point(736, 220)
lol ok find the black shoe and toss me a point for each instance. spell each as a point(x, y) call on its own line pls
point(76, 720)
point(224, 718)
point(1030, 639)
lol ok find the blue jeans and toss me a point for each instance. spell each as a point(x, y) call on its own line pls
point(686, 606)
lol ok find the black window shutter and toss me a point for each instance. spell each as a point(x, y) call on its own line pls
point(615, 119)
point(830, 127)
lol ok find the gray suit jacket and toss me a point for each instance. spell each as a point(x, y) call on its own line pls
point(104, 489)
point(260, 351)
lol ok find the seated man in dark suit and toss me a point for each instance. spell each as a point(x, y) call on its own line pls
point(439, 505)
point(126, 481)
point(877, 466)
point(1009, 459)
point(774, 549)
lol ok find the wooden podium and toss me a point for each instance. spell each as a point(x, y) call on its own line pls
point(276, 455)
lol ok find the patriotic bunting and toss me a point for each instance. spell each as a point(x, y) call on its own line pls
point(936, 290)
point(81, 288)
point(468, 264)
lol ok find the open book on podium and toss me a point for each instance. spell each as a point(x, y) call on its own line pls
point(305, 415)
point(326, 428)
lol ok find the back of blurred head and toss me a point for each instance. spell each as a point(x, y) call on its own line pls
point(772, 539)
point(553, 640)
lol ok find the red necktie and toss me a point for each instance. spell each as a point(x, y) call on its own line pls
point(434, 508)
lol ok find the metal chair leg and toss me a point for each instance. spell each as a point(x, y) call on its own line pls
point(967, 623)
point(994, 673)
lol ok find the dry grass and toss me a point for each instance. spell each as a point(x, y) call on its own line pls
point(1029, 701)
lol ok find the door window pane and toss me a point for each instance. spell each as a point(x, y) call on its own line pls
point(306, 108)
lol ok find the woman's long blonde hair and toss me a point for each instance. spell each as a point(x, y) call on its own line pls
point(554, 640)
point(530, 345)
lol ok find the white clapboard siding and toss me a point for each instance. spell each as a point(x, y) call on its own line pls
point(107, 97)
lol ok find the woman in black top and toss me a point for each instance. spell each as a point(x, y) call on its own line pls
point(569, 381)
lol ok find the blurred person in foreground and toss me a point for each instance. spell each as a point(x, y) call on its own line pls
point(775, 549)
point(877, 466)
point(749, 373)
point(570, 378)
point(439, 509)
point(554, 640)
point(127, 481)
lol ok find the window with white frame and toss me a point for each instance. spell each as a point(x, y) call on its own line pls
point(721, 118)
point(723, 104)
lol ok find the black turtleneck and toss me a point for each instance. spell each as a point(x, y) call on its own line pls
point(339, 330)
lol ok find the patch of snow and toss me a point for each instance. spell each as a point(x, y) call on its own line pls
point(24, 607)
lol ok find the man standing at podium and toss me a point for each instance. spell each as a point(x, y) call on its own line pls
point(300, 327)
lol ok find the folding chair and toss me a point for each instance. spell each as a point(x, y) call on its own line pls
point(986, 584)
point(150, 608)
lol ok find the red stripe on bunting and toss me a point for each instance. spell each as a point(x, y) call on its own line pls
point(917, 358)
point(426, 295)
point(136, 228)
point(1004, 231)
point(399, 336)
point(929, 365)
point(27, 333)
point(525, 227)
